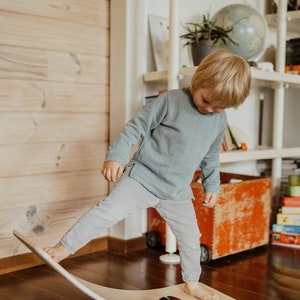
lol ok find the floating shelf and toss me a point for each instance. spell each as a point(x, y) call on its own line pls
point(257, 74)
point(239, 155)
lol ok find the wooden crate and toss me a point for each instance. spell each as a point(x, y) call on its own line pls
point(239, 221)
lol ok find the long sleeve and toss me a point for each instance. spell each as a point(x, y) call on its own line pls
point(137, 128)
point(210, 166)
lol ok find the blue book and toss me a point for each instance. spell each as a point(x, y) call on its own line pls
point(286, 228)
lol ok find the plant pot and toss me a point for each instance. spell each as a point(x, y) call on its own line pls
point(201, 49)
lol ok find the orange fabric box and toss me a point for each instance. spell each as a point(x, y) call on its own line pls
point(239, 221)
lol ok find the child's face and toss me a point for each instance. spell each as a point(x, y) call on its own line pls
point(202, 99)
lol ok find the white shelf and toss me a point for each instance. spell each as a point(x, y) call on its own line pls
point(240, 155)
point(287, 78)
point(257, 74)
point(293, 20)
point(156, 76)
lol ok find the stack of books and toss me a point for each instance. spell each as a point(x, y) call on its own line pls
point(286, 232)
point(290, 166)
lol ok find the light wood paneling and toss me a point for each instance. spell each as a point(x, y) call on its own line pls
point(51, 34)
point(52, 127)
point(28, 159)
point(92, 12)
point(47, 188)
point(37, 96)
point(52, 66)
point(35, 220)
point(54, 109)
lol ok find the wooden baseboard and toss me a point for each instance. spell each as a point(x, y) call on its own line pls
point(126, 246)
point(29, 260)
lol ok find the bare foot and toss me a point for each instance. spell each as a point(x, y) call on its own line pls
point(196, 290)
point(58, 252)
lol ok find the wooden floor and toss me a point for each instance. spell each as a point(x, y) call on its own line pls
point(269, 272)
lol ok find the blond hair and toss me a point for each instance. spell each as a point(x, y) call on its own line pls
point(227, 75)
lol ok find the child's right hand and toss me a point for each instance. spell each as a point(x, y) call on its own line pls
point(112, 170)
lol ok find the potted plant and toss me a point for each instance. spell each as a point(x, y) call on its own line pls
point(204, 36)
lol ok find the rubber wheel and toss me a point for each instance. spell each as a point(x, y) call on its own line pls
point(153, 239)
point(205, 254)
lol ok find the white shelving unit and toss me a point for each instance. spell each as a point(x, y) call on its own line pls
point(266, 76)
point(292, 18)
point(278, 80)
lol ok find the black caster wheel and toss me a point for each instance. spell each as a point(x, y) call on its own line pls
point(153, 239)
point(205, 254)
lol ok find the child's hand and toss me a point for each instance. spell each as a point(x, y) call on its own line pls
point(112, 170)
point(210, 200)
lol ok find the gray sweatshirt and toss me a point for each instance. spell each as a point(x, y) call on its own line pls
point(176, 139)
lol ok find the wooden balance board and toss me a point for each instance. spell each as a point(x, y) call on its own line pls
point(99, 292)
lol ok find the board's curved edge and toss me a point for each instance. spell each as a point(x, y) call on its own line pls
point(56, 266)
point(94, 290)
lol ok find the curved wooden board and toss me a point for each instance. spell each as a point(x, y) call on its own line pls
point(56, 266)
point(98, 292)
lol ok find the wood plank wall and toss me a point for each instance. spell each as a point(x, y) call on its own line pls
point(54, 105)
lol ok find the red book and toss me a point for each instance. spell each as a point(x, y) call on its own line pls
point(291, 201)
point(285, 239)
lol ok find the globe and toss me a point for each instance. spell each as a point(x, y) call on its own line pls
point(249, 29)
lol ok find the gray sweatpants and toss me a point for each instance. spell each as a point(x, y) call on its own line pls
point(130, 196)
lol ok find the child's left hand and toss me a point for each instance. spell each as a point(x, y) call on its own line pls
point(210, 200)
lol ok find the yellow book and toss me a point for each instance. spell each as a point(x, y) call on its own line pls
point(288, 219)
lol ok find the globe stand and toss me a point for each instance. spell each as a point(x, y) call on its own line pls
point(170, 257)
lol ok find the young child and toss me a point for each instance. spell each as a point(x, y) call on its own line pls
point(179, 132)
